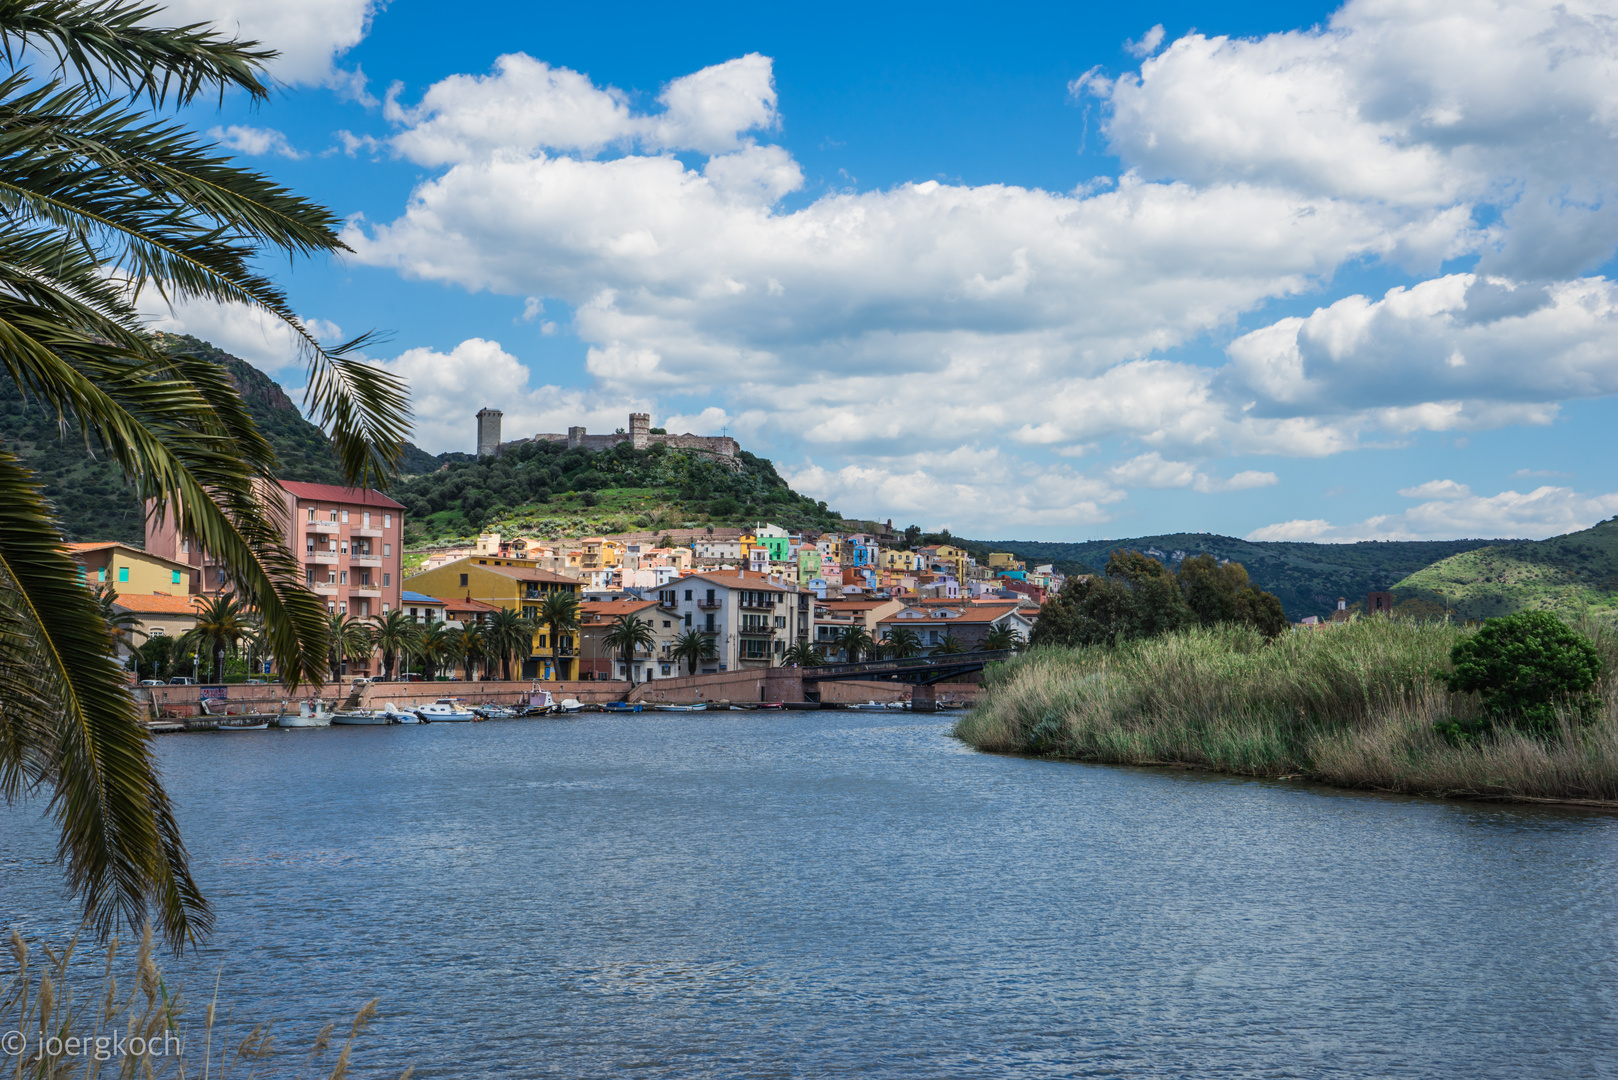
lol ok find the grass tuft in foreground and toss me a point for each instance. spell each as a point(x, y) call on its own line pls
point(48, 1028)
point(1353, 705)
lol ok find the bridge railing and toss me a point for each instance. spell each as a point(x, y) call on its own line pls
point(907, 664)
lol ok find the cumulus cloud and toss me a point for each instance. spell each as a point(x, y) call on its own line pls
point(255, 141)
point(902, 325)
point(248, 332)
point(309, 34)
point(1450, 510)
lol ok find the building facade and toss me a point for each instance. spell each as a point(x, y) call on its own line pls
point(753, 619)
point(516, 585)
point(130, 570)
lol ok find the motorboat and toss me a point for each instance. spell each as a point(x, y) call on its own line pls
point(446, 711)
point(362, 718)
point(397, 715)
point(622, 706)
point(571, 705)
point(309, 714)
point(771, 705)
point(259, 725)
point(539, 702)
point(493, 712)
point(699, 707)
point(870, 706)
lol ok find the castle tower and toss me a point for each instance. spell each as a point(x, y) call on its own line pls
point(488, 432)
point(575, 437)
point(640, 427)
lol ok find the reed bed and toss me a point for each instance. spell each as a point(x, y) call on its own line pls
point(135, 1029)
point(1352, 705)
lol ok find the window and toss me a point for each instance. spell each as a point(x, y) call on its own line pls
point(365, 579)
point(463, 581)
point(665, 624)
point(311, 575)
point(384, 609)
point(708, 625)
point(343, 577)
point(387, 580)
point(309, 545)
point(185, 547)
point(387, 521)
point(387, 549)
point(688, 618)
point(331, 608)
point(174, 577)
point(101, 574)
point(345, 547)
point(530, 613)
point(688, 594)
point(345, 517)
point(342, 607)
point(334, 515)
point(365, 520)
point(780, 621)
point(311, 513)
point(123, 574)
point(156, 631)
point(755, 649)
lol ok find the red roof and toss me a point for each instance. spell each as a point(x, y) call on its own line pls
point(94, 545)
point(158, 604)
point(333, 494)
point(468, 604)
point(598, 611)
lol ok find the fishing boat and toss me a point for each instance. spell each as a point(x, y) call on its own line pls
point(445, 711)
point(539, 703)
point(309, 714)
point(622, 706)
point(700, 707)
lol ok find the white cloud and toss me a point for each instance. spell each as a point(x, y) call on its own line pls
point(254, 141)
point(882, 330)
point(1451, 510)
point(1148, 43)
point(250, 333)
point(309, 34)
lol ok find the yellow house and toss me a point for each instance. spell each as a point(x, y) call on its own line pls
point(130, 570)
point(1004, 560)
point(517, 585)
point(952, 557)
point(601, 553)
point(900, 561)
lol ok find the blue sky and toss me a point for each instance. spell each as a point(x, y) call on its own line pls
point(1063, 273)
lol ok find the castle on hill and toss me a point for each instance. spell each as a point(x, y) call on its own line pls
point(639, 435)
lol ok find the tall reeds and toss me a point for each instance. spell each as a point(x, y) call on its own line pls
point(1352, 705)
point(48, 1029)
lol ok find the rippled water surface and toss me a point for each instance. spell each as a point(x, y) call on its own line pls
point(850, 894)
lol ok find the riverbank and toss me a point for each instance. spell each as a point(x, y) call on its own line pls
point(1350, 705)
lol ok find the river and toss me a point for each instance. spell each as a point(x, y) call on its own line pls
point(841, 894)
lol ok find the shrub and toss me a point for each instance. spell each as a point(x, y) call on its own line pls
point(1525, 666)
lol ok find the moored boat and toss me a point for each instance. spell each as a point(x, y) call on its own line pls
point(445, 711)
point(621, 706)
point(699, 707)
point(309, 714)
point(362, 718)
point(571, 705)
point(256, 724)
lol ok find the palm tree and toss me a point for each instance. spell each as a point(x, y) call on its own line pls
point(508, 634)
point(118, 623)
point(629, 634)
point(221, 622)
point(101, 198)
point(1002, 637)
point(802, 654)
point(350, 638)
point(559, 614)
point(854, 640)
point(392, 634)
point(950, 646)
point(694, 647)
point(472, 646)
point(433, 647)
point(901, 641)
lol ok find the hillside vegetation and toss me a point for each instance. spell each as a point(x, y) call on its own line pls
point(1573, 574)
point(546, 489)
point(1306, 578)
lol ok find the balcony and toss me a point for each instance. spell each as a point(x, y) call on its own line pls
point(323, 558)
point(365, 590)
point(366, 532)
point(758, 605)
point(321, 526)
point(324, 588)
point(710, 605)
point(757, 631)
point(368, 560)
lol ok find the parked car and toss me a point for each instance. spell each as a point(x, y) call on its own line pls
point(181, 680)
point(153, 682)
point(254, 682)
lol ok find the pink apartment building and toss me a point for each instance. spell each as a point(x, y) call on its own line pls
point(348, 539)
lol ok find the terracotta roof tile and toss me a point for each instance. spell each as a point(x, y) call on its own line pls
point(333, 493)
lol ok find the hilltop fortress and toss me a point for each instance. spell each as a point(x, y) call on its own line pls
point(640, 436)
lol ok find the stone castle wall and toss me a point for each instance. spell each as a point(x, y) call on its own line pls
point(640, 436)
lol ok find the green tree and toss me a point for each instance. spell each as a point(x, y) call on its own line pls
point(901, 641)
point(1002, 637)
point(350, 639)
point(392, 636)
point(629, 634)
point(473, 644)
point(1262, 611)
point(1156, 604)
point(559, 614)
point(101, 199)
point(694, 647)
point(1211, 588)
point(222, 621)
point(433, 647)
point(855, 641)
point(508, 635)
point(1525, 666)
point(155, 657)
point(802, 654)
point(950, 646)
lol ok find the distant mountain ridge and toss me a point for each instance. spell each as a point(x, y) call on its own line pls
point(1307, 578)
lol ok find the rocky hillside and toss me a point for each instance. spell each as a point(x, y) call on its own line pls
point(1572, 573)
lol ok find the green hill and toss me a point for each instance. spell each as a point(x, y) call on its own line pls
point(88, 491)
point(1307, 578)
point(1573, 573)
point(545, 489)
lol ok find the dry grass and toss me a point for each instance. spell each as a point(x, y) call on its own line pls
point(1352, 705)
point(138, 1032)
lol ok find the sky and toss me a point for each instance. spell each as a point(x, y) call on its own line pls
point(1066, 272)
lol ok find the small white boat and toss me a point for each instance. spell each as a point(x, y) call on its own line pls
point(703, 707)
point(445, 711)
point(308, 715)
point(397, 715)
point(494, 712)
point(870, 706)
point(571, 705)
point(261, 726)
point(362, 718)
